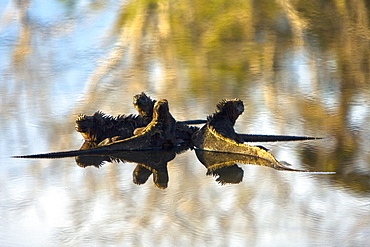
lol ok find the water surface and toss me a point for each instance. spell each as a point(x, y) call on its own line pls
point(299, 68)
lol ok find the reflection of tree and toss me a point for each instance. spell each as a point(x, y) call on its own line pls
point(188, 36)
point(205, 52)
point(214, 47)
point(342, 33)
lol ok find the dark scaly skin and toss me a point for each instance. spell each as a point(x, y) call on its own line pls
point(184, 133)
point(101, 126)
point(219, 134)
point(116, 129)
point(158, 134)
point(144, 105)
point(221, 123)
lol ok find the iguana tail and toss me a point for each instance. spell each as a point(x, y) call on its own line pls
point(65, 154)
point(275, 138)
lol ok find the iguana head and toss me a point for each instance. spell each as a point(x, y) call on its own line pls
point(161, 109)
point(85, 125)
point(144, 105)
point(91, 127)
point(231, 108)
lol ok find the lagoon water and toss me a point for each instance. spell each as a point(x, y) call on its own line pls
point(300, 68)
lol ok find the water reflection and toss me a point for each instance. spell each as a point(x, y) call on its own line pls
point(154, 162)
point(301, 67)
point(148, 162)
point(153, 138)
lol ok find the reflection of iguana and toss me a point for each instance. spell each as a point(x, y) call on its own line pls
point(149, 162)
point(153, 162)
point(224, 165)
point(217, 160)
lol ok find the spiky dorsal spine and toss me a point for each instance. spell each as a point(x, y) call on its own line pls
point(222, 107)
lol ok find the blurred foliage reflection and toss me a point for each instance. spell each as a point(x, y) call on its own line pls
point(309, 60)
point(229, 46)
point(301, 68)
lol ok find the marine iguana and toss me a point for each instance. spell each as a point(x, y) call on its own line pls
point(219, 133)
point(144, 105)
point(158, 134)
point(101, 126)
point(105, 130)
point(219, 137)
